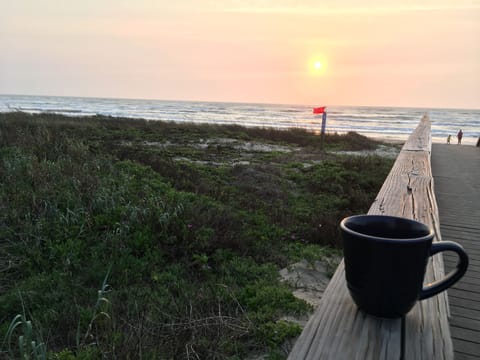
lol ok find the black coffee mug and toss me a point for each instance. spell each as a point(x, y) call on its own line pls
point(385, 263)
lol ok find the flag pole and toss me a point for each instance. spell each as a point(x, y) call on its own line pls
point(322, 133)
point(318, 111)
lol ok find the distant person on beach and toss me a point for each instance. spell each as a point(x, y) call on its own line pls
point(459, 136)
point(449, 137)
point(478, 142)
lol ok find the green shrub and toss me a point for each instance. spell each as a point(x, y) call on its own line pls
point(192, 250)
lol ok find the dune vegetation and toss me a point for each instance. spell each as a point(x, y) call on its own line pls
point(134, 239)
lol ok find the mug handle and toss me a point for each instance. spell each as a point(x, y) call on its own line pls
point(453, 276)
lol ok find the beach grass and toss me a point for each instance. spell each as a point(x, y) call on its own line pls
point(127, 238)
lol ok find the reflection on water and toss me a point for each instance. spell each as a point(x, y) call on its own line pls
point(378, 122)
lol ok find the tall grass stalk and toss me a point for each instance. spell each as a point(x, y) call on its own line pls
point(97, 312)
point(27, 347)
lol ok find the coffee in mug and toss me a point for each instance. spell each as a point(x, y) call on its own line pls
point(385, 262)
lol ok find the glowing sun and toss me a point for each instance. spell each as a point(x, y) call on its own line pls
point(317, 65)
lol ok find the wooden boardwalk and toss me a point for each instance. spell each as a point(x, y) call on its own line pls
point(456, 172)
point(338, 330)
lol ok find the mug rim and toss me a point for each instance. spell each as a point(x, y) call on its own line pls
point(430, 234)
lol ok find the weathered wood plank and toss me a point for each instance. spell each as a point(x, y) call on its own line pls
point(469, 348)
point(341, 323)
point(463, 356)
point(473, 255)
point(466, 323)
point(470, 313)
point(473, 265)
point(420, 139)
point(338, 330)
point(466, 282)
point(461, 231)
point(467, 303)
point(473, 286)
point(464, 294)
point(466, 335)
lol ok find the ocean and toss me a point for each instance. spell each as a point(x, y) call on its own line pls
point(391, 123)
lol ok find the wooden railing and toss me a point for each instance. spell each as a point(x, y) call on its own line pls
point(338, 330)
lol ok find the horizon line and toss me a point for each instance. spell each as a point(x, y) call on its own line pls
point(243, 102)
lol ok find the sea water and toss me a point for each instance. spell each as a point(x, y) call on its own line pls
point(391, 123)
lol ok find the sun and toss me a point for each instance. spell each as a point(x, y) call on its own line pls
point(317, 65)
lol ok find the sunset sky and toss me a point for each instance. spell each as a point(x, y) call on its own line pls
point(383, 52)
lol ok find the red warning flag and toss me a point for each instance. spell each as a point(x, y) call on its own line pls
point(319, 110)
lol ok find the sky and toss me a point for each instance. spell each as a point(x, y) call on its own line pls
point(375, 52)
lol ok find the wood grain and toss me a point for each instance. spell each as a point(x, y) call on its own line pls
point(338, 330)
